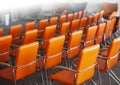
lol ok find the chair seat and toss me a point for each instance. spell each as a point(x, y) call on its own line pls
point(6, 73)
point(64, 76)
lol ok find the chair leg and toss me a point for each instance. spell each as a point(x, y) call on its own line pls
point(43, 81)
point(93, 81)
point(15, 83)
point(114, 75)
point(46, 75)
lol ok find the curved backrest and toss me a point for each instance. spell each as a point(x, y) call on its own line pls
point(69, 17)
point(113, 20)
point(41, 26)
point(86, 63)
point(62, 19)
point(79, 14)
point(49, 32)
point(53, 21)
point(90, 36)
point(26, 57)
point(84, 13)
point(96, 17)
point(75, 15)
point(5, 42)
point(89, 20)
point(100, 16)
point(64, 28)
point(83, 22)
point(29, 26)
point(107, 29)
point(74, 43)
point(54, 51)
point(99, 33)
point(30, 36)
point(113, 52)
point(74, 25)
point(1, 31)
point(15, 31)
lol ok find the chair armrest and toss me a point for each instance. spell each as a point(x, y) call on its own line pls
point(64, 68)
point(40, 40)
point(5, 64)
point(14, 46)
point(101, 57)
point(103, 49)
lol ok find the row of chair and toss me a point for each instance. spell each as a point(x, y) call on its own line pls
point(53, 57)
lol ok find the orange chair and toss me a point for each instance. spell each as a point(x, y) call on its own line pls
point(64, 28)
point(52, 55)
point(108, 58)
point(15, 31)
point(29, 26)
point(24, 65)
point(5, 42)
point(107, 30)
point(41, 27)
point(69, 17)
point(48, 33)
point(62, 19)
point(79, 14)
point(74, 25)
point(84, 13)
point(89, 36)
point(100, 16)
point(89, 21)
point(29, 37)
point(99, 33)
point(82, 24)
point(95, 18)
point(75, 15)
point(1, 31)
point(73, 47)
point(53, 21)
point(83, 71)
point(113, 20)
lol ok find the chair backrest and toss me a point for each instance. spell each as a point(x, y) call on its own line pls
point(90, 36)
point(41, 26)
point(95, 18)
point(83, 22)
point(74, 43)
point(86, 63)
point(113, 52)
point(15, 31)
point(100, 16)
point(75, 15)
point(29, 26)
point(5, 42)
point(89, 20)
point(79, 14)
point(30, 36)
point(84, 13)
point(54, 51)
point(99, 33)
point(26, 60)
point(49, 32)
point(69, 17)
point(62, 19)
point(107, 29)
point(64, 28)
point(113, 20)
point(53, 21)
point(74, 25)
point(1, 32)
